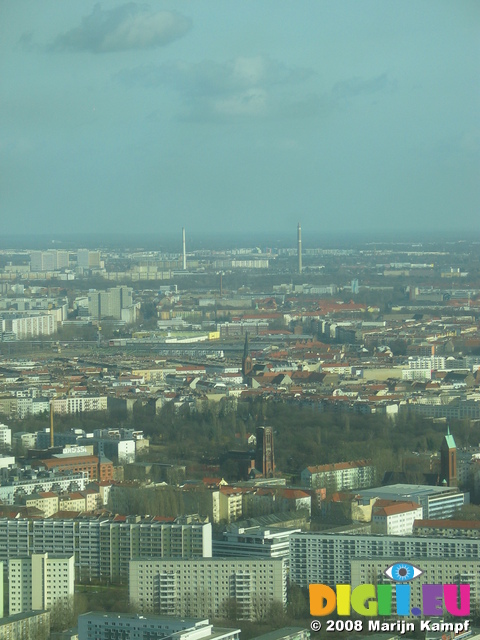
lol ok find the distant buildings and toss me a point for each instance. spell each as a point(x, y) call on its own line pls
point(116, 303)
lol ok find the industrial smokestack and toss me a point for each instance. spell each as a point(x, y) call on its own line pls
point(51, 424)
point(299, 246)
point(184, 250)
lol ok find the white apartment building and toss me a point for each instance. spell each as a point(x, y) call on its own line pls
point(88, 259)
point(327, 558)
point(339, 476)
point(395, 518)
point(79, 404)
point(103, 546)
point(105, 626)
point(254, 542)
point(40, 581)
point(17, 488)
point(423, 362)
point(46, 501)
point(31, 326)
point(5, 436)
point(208, 587)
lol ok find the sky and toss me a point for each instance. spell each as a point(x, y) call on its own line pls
point(240, 117)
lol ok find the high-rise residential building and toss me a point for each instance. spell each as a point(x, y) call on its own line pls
point(40, 581)
point(208, 587)
point(50, 260)
point(103, 546)
point(111, 303)
point(5, 436)
point(88, 259)
point(327, 558)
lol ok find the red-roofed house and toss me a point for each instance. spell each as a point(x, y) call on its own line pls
point(394, 518)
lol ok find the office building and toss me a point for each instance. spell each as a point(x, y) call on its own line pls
point(437, 502)
point(109, 626)
point(208, 587)
point(254, 542)
point(40, 581)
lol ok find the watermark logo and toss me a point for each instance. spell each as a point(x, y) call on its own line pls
point(377, 600)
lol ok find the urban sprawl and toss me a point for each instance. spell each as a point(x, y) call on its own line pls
point(189, 439)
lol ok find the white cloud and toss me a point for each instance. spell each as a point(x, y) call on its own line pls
point(126, 27)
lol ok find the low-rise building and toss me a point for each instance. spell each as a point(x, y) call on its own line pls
point(395, 518)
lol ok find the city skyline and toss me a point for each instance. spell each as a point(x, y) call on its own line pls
point(139, 119)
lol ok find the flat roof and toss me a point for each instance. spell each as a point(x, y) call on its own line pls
point(406, 491)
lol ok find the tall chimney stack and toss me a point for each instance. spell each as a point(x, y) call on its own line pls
point(299, 246)
point(184, 250)
point(51, 424)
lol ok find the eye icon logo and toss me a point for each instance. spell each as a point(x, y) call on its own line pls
point(403, 572)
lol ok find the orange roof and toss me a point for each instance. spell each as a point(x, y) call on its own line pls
point(391, 507)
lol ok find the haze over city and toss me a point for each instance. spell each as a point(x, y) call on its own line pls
point(226, 117)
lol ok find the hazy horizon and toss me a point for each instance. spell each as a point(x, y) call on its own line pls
point(240, 118)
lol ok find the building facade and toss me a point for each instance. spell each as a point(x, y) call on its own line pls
point(103, 546)
point(327, 558)
point(40, 581)
point(208, 587)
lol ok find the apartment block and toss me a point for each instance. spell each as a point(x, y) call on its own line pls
point(339, 476)
point(395, 518)
point(5, 436)
point(208, 587)
point(40, 581)
point(33, 625)
point(106, 626)
point(103, 546)
point(47, 501)
point(447, 528)
point(327, 558)
point(14, 487)
point(79, 404)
